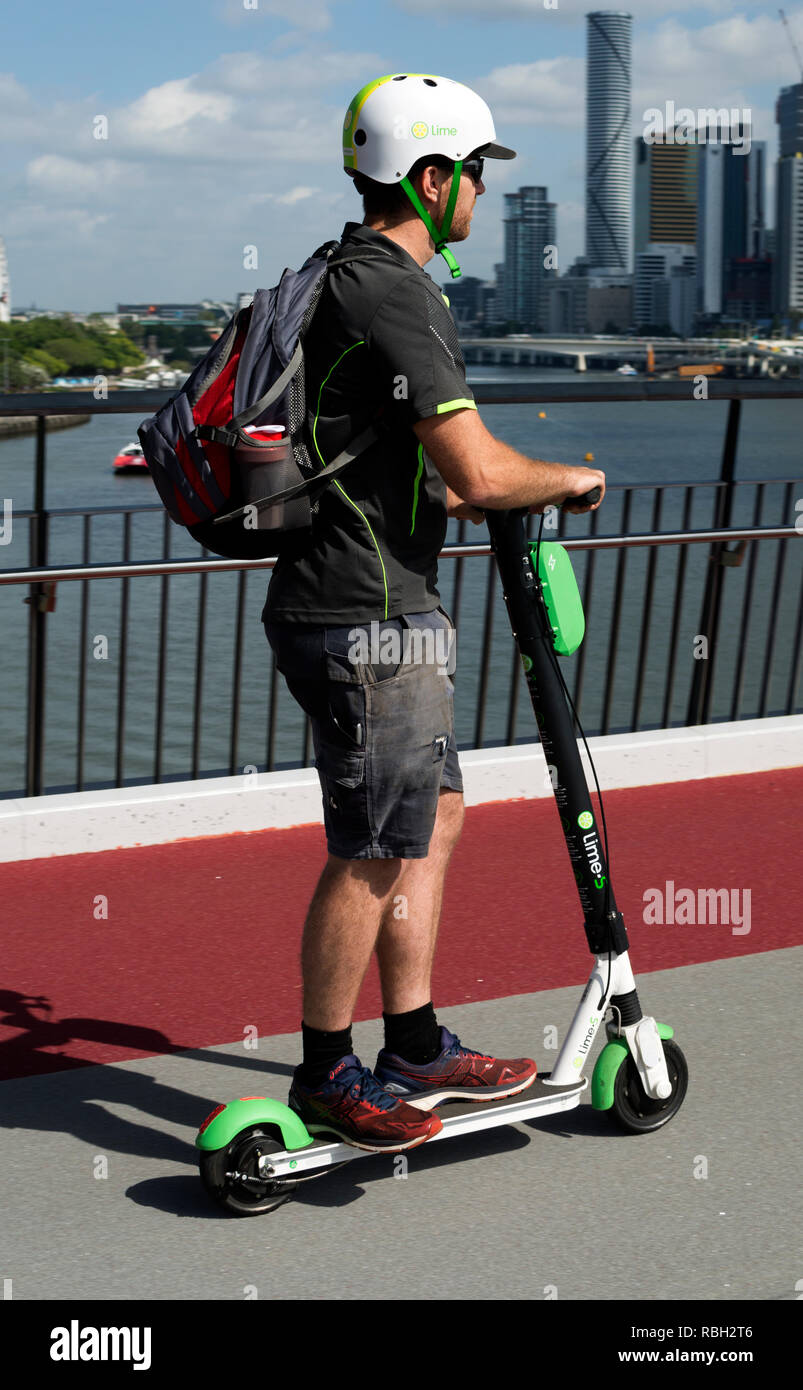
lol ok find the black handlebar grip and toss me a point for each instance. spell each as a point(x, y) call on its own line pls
point(587, 499)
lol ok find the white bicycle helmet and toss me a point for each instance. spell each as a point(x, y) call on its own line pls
point(394, 120)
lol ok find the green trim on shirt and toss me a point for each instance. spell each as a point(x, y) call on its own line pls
point(373, 538)
point(455, 405)
point(415, 484)
point(351, 346)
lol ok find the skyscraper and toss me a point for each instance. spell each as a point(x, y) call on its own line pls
point(788, 283)
point(730, 221)
point(656, 301)
point(609, 150)
point(666, 192)
point(530, 242)
point(5, 287)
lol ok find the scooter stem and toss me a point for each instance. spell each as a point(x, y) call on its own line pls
point(529, 620)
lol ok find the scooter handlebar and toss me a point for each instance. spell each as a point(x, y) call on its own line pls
point(587, 499)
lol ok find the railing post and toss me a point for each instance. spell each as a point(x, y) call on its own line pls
point(36, 624)
point(703, 678)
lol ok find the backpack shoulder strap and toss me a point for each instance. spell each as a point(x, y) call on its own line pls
point(358, 445)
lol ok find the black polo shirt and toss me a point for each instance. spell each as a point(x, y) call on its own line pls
point(382, 344)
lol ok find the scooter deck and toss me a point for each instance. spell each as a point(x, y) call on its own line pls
point(459, 1117)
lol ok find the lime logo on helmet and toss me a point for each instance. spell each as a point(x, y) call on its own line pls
point(419, 129)
point(585, 820)
point(347, 121)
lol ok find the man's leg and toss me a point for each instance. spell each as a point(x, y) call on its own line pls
point(339, 936)
point(356, 907)
point(331, 1090)
point(406, 944)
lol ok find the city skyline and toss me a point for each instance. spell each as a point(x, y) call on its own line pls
point(137, 214)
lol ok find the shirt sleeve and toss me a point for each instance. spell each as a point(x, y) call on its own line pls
point(413, 339)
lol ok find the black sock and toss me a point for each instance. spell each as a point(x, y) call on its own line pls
point(415, 1036)
point(321, 1051)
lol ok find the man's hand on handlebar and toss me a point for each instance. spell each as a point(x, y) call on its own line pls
point(455, 506)
point(581, 490)
point(583, 482)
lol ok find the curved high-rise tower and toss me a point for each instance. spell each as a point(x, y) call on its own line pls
point(609, 147)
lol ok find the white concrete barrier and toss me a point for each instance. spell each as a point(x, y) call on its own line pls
point(78, 822)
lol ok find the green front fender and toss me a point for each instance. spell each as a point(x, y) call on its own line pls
point(608, 1063)
point(220, 1128)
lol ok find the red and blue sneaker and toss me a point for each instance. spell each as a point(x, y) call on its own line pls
point(455, 1074)
point(352, 1106)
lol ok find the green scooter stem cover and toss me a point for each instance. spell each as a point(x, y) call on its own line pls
point(608, 1063)
point(561, 595)
point(253, 1110)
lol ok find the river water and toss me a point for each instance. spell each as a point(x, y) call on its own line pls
point(642, 443)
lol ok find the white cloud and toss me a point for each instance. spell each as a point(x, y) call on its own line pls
point(296, 195)
point(311, 15)
point(548, 92)
point(33, 222)
point(176, 110)
point(73, 181)
point(192, 170)
point(726, 57)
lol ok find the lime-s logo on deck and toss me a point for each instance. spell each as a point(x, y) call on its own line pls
point(585, 820)
point(526, 662)
point(419, 129)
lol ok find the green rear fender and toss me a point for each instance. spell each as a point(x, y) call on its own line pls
point(219, 1128)
point(608, 1063)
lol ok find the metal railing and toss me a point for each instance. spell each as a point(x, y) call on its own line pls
point(630, 628)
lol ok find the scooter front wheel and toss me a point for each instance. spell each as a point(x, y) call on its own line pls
point(634, 1109)
point(231, 1175)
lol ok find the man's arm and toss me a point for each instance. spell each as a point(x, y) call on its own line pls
point(455, 506)
point(486, 473)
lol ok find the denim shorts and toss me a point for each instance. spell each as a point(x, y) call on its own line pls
point(382, 715)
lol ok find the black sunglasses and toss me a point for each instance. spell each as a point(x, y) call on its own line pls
point(474, 168)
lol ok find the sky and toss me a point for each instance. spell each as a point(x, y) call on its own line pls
point(223, 120)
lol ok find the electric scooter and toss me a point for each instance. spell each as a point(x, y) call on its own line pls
point(255, 1152)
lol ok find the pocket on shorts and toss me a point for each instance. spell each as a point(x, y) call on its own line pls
point(344, 792)
point(343, 766)
point(366, 652)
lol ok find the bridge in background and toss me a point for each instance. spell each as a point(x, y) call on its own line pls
point(601, 352)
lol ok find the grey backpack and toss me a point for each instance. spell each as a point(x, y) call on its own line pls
point(227, 453)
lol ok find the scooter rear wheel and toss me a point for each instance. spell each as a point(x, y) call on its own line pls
point(231, 1175)
point(634, 1109)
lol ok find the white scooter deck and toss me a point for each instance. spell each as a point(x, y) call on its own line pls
point(459, 1117)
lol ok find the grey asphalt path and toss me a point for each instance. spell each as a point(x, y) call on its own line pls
point(566, 1203)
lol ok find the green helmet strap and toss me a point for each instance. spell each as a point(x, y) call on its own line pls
point(439, 236)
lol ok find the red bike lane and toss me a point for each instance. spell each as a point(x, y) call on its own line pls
point(112, 955)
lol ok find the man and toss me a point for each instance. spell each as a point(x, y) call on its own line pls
point(383, 347)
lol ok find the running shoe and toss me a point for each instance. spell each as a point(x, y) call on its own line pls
point(456, 1074)
point(352, 1106)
